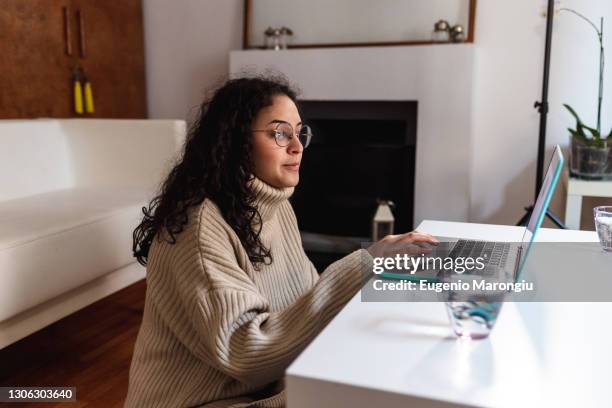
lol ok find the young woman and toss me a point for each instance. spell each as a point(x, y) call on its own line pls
point(231, 297)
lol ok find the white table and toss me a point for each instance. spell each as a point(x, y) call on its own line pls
point(576, 189)
point(404, 354)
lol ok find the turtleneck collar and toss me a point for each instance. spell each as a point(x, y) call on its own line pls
point(268, 198)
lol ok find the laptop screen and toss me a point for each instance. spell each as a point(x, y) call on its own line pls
point(541, 204)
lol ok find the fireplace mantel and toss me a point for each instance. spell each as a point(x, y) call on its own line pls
point(438, 77)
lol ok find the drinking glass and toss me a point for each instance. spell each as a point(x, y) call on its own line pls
point(472, 313)
point(603, 225)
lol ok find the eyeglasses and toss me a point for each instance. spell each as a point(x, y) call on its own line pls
point(283, 133)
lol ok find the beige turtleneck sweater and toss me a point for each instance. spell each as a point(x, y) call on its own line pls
point(216, 332)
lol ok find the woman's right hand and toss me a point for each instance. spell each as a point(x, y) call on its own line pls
point(413, 243)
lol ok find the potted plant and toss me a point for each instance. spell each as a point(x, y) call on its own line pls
point(590, 150)
point(590, 153)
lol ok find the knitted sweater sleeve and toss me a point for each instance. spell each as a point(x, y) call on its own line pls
point(238, 334)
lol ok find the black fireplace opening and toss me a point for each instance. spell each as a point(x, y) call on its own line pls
point(361, 152)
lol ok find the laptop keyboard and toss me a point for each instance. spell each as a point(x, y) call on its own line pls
point(493, 253)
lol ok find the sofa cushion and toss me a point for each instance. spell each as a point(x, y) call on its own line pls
point(35, 158)
point(53, 242)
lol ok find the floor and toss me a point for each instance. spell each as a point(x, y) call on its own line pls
point(90, 350)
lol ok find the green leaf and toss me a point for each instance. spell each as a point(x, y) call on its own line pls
point(580, 130)
point(592, 142)
point(578, 135)
point(573, 112)
point(594, 132)
point(579, 124)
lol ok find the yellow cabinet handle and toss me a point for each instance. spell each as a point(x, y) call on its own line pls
point(78, 97)
point(89, 102)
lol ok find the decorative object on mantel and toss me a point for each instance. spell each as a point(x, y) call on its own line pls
point(590, 150)
point(354, 23)
point(441, 31)
point(277, 38)
point(267, 35)
point(285, 34)
point(457, 33)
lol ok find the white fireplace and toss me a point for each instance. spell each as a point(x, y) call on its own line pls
point(438, 77)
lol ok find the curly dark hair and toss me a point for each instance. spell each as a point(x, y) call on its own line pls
point(216, 163)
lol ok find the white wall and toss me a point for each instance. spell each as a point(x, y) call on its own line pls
point(508, 79)
point(186, 50)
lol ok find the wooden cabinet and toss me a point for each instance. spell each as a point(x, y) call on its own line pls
point(36, 70)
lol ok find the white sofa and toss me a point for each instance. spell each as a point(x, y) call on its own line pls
point(71, 195)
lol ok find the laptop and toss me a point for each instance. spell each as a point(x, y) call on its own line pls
point(505, 257)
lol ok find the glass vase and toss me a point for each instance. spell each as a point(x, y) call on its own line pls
point(590, 162)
